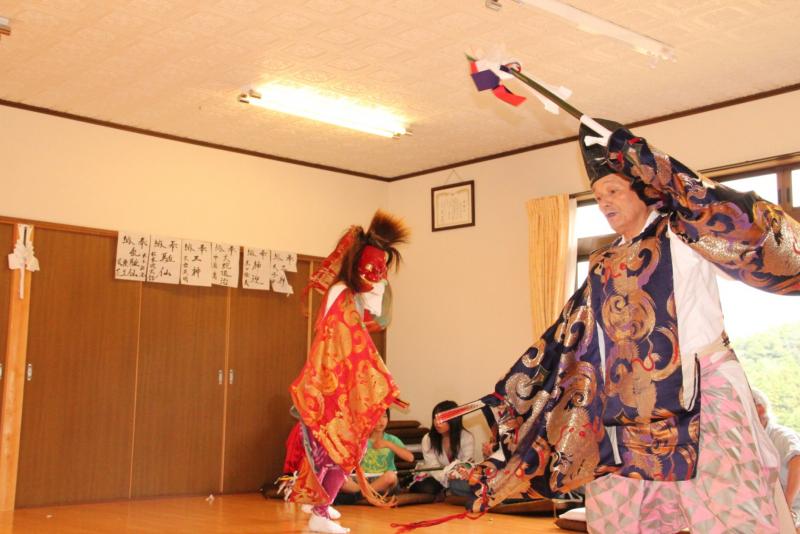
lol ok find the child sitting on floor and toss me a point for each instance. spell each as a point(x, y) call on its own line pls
point(448, 450)
point(377, 463)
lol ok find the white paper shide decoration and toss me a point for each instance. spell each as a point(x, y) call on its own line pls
point(23, 257)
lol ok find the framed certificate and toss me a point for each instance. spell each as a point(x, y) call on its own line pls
point(453, 206)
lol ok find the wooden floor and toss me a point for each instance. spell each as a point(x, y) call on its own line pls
point(247, 513)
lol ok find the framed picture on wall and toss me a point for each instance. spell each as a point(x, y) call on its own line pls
point(453, 206)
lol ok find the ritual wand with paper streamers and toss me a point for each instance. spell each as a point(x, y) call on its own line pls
point(489, 79)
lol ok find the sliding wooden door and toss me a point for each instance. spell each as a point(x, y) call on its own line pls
point(77, 414)
point(267, 349)
point(179, 399)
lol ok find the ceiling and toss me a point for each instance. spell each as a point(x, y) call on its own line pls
point(176, 67)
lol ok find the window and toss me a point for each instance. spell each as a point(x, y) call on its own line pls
point(764, 328)
point(764, 185)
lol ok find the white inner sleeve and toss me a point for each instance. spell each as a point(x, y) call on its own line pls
point(697, 306)
point(333, 293)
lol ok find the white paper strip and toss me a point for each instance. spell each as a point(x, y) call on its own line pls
point(225, 265)
point(196, 263)
point(256, 269)
point(132, 254)
point(281, 263)
point(164, 265)
point(23, 256)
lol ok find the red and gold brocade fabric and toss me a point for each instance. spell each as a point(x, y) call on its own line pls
point(342, 390)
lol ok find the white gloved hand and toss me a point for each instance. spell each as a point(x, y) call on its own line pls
point(603, 133)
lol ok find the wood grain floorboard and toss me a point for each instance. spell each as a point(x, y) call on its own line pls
point(246, 513)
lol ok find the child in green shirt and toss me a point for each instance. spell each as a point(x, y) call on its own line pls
point(378, 462)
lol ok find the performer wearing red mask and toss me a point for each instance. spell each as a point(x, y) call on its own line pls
point(344, 386)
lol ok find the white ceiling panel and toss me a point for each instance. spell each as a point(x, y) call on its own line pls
point(177, 66)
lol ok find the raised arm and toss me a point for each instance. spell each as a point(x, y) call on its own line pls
point(751, 239)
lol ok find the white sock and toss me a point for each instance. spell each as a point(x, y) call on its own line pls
point(317, 523)
point(333, 512)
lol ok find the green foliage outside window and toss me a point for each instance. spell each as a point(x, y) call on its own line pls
point(771, 360)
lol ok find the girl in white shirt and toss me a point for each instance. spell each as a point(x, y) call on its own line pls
point(448, 446)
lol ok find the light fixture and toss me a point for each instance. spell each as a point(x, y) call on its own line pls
point(340, 111)
point(597, 25)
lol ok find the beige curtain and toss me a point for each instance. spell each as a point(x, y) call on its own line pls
point(552, 251)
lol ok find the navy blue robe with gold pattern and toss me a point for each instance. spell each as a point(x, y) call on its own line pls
point(600, 391)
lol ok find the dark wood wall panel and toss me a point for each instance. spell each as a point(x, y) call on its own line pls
point(178, 436)
point(125, 398)
point(78, 407)
point(267, 350)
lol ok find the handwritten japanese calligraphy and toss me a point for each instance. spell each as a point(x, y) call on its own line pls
point(225, 265)
point(164, 265)
point(256, 270)
point(282, 262)
point(196, 263)
point(132, 254)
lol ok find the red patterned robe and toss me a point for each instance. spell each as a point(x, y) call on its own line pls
point(342, 390)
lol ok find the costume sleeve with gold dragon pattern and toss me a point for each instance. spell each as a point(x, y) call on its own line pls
point(744, 235)
point(547, 411)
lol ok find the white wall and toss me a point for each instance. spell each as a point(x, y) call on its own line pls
point(70, 172)
point(461, 314)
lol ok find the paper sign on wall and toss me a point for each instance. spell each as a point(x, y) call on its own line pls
point(225, 265)
point(256, 269)
point(281, 263)
point(196, 263)
point(132, 254)
point(164, 265)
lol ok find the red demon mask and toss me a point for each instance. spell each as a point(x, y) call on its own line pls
point(372, 266)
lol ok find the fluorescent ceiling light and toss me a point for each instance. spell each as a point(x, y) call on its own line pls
point(340, 111)
point(597, 25)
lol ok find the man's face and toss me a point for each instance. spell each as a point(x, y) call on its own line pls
point(622, 207)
